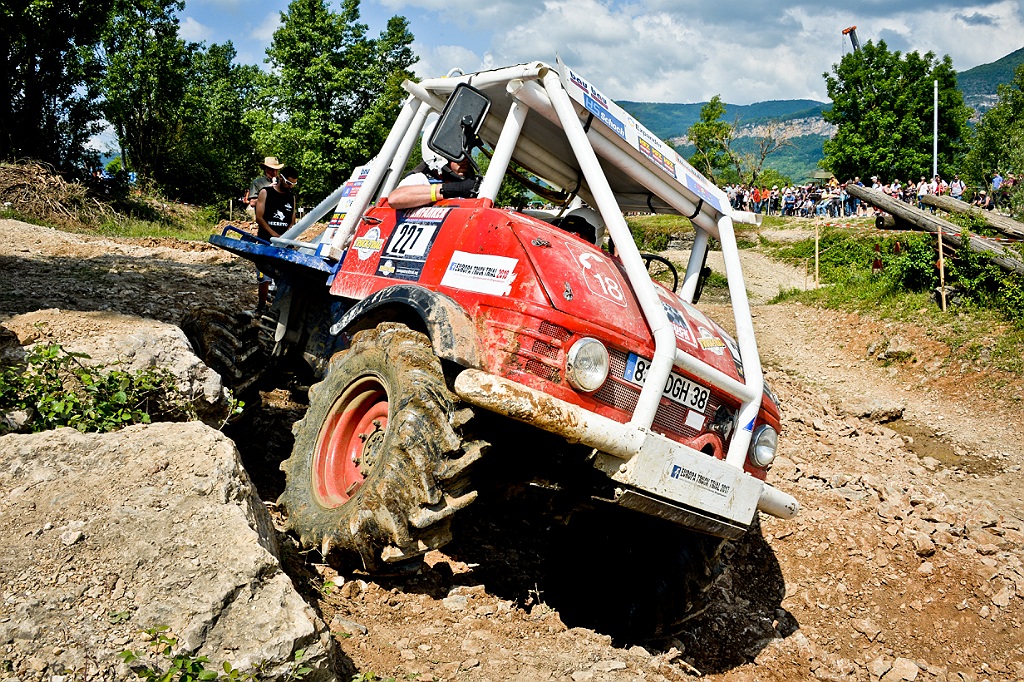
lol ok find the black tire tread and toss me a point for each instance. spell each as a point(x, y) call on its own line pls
point(405, 504)
point(227, 342)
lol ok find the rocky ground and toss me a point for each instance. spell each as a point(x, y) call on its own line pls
point(905, 563)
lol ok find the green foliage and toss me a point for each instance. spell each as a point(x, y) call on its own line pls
point(335, 92)
point(183, 666)
point(986, 284)
point(177, 108)
point(710, 136)
point(913, 268)
point(846, 264)
point(653, 232)
point(58, 390)
point(48, 80)
point(999, 143)
point(883, 104)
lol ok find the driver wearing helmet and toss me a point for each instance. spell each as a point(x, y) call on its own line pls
point(435, 179)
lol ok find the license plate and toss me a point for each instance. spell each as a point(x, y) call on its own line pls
point(677, 388)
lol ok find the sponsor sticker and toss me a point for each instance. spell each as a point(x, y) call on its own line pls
point(604, 116)
point(657, 157)
point(407, 248)
point(683, 474)
point(710, 342)
point(679, 325)
point(369, 244)
point(480, 272)
point(701, 191)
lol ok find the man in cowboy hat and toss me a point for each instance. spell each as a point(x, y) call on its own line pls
point(270, 168)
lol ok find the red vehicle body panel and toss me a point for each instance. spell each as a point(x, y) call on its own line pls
point(533, 290)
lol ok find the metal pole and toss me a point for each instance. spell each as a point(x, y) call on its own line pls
point(817, 242)
point(935, 137)
point(942, 273)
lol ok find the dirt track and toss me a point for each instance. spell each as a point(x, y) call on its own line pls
point(904, 564)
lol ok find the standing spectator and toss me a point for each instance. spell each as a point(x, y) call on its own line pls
point(956, 188)
point(997, 183)
point(270, 167)
point(275, 213)
point(922, 189)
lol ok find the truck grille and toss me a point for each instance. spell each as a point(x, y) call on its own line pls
point(670, 417)
point(540, 352)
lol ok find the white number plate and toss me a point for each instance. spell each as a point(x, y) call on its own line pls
point(677, 389)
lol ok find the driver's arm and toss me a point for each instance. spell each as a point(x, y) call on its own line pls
point(410, 196)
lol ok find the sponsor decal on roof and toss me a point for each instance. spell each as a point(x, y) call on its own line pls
point(604, 116)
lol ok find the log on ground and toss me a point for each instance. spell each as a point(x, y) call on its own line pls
point(909, 217)
point(999, 222)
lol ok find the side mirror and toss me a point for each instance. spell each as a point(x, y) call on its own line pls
point(460, 122)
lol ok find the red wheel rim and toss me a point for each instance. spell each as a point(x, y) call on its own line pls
point(349, 441)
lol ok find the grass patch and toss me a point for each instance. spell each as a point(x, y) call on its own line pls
point(984, 328)
point(653, 232)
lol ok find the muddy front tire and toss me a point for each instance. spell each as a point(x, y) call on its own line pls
point(379, 466)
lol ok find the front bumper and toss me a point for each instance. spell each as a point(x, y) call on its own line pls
point(659, 476)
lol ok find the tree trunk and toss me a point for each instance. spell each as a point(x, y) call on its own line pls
point(906, 216)
point(1007, 226)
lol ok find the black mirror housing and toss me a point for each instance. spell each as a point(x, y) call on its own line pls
point(460, 122)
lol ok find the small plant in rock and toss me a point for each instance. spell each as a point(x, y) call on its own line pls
point(184, 666)
point(55, 389)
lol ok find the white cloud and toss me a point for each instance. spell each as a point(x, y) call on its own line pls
point(665, 50)
point(192, 31)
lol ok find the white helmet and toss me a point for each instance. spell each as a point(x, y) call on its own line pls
point(435, 162)
point(592, 217)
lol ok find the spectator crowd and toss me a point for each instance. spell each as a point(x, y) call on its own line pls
point(833, 201)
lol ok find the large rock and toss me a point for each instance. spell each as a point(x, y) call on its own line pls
point(102, 536)
point(132, 344)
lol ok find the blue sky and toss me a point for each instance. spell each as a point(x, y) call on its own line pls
point(654, 50)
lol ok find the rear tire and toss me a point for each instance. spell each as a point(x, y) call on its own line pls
point(228, 343)
point(379, 466)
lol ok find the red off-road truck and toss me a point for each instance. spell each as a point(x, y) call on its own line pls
point(412, 321)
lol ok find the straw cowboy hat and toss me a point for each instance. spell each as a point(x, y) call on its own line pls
point(272, 162)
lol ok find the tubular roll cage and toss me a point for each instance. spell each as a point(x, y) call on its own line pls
point(541, 89)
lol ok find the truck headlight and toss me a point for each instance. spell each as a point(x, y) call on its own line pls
point(763, 444)
point(587, 365)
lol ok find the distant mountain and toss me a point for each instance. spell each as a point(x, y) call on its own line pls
point(980, 84)
point(801, 119)
point(803, 123)
point(669, 121)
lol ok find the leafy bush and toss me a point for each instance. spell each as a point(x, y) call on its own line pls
point(56, 389)
point(914, 267)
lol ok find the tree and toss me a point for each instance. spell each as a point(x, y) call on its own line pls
point(210, 154)
point(711, 136)
point(998, 142)
point(882, 103)
point(48, 79)
point(335, 91)
point(145, 82)
point(772, 138)
point(178, 108)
